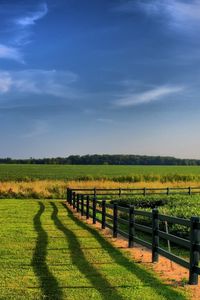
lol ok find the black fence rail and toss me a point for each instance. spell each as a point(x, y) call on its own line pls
point(125, 221)
point(137, 191)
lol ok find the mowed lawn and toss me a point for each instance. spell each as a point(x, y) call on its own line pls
point(46, 253)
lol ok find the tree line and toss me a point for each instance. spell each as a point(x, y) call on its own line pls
point(105, 159)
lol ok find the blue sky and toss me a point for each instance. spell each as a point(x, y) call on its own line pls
point(99, 76)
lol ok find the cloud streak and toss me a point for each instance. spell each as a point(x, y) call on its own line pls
point(151, 95)
point(20, 28)
point(11, 53)
point(38, 82)
point(32, 17)
point(176, 13)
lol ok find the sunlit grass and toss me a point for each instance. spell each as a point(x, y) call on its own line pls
point(51, 189)
point(46, 253)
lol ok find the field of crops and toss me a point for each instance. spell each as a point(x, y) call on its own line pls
point(116, 173)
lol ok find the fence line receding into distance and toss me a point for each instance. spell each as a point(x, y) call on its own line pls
point(124, 221)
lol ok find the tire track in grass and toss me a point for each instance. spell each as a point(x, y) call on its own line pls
point(105, 289)
point(48, 282)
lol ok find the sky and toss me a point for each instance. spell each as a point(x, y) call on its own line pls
point(99, 76)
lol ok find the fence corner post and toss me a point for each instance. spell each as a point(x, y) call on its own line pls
point(77, 204)
point(82, 205)
point(74, 200)
point(131, 226)
point(115, 219)
point(103, 224)
point(94, 210)
point(69, 196)
point(194, 249)
point(87, 207)
point(155, 237)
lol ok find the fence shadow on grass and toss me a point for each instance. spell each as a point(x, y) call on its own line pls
point(79, 260)
point(145, 276)
point(48, 282)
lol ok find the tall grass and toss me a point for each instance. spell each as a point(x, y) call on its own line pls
point(56, 189)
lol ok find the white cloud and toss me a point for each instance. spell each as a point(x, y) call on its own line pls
point(32, 17)
point(39, 82)
point(11, 53)
point(5, 82)
point(152, 95)
point(179, 13)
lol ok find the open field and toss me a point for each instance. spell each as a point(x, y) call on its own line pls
point(116, 173)
point(46, 253)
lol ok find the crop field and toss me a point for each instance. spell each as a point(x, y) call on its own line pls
point(46, 253)
point(92, 172)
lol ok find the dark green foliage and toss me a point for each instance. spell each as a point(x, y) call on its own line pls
point(105, 159)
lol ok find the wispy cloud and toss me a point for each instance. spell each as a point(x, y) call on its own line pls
point(5, 83)
point(105, 120)
point(40, 127)
point(23, 24)
point(20, 29)
point(11, 53)
point(39, 82)
point(148, 96)
point(32, 17)
point(176, 13)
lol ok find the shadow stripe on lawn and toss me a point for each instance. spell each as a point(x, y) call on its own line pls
point(96, 279)
point(48, 282)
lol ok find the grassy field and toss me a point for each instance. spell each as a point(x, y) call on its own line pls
point(116, 173)
point(46, 253)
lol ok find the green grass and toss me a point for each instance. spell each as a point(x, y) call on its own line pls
point(120, 173)
point(46, 253)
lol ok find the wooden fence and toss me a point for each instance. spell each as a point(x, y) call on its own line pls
point(138, 191)
point(110, 216)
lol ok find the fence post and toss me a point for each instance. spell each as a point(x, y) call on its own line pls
point(82, 205)
point(74, 200)
point(155, 237)
point(95, 192)
point(70, 196)
point(67, 195)
point(194, 249)
point(87, 207)
point(77, 204)
point(115, 217)
point(168, 191)
point(120, 192)
point(144, 191)
point(94, 210)
point(103, 225)
point(131, 227)
point(189, 190)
